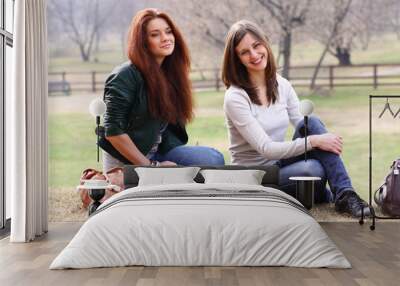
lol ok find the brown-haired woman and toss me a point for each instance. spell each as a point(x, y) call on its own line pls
point(258, 106)
point(149, 100)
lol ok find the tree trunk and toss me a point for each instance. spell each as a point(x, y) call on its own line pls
point(343, 55)
point(287, 45)
point(97, 45)
point(84, 54)
point(280, 51)
point(321, 59)
point(338, 20)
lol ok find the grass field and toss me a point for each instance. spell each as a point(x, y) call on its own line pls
point(344, 111)
point(72, 141)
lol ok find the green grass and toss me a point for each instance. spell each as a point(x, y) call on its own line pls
point(210, 131)
point(209, 99)
point(72, 140)
point(355, 157)
point(72, 148)
point(206, 129)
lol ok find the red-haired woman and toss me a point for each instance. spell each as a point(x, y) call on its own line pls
point(149, 100)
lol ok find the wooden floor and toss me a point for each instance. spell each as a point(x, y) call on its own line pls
point(374, 255)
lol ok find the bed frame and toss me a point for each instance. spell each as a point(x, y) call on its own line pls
point(270, 179)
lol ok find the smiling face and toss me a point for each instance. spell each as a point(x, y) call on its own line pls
point(160, 39)
point(252, 54)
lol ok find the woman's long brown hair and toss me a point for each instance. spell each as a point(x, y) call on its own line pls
point(168, 86)
point(235, 73)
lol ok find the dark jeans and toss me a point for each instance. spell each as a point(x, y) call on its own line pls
point(192, 156)
point(326, 165)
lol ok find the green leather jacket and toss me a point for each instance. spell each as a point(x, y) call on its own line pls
point(127, 112)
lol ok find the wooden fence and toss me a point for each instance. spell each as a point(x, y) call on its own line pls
point(331, 76)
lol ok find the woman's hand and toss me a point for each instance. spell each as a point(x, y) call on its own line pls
point(128, 149)
point(167, 163)
point(327, 142)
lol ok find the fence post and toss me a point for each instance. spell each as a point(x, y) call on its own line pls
point(216, 80)
point(331, 76)
point(375, 76)
point(93, 81)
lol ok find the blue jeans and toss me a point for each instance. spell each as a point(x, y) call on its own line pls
point(192, 156)
point(326, 165)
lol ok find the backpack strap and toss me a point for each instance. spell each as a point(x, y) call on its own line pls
point(378, 194)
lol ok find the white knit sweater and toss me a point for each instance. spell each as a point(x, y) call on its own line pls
point(257, 133)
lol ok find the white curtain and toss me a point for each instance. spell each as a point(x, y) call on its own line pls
point(26, 123)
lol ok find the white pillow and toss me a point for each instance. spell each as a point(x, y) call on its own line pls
point(248, 177)
point(163, 176)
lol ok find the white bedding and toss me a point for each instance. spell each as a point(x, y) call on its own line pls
point(200, 224)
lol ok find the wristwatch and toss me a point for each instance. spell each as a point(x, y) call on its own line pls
point(154, 163)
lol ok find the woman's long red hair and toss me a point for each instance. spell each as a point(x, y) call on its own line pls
point(168, 86)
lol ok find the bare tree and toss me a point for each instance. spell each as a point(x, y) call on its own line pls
point(357, 26)
point(279, 18)
point(340, 10)
point(206, 24)
point(82, 20)
point(362, 18)
point(213, 19)
point(290, 15)
point(391, 17)
point(125, 10)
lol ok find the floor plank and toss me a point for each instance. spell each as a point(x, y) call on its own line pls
point(374, 255)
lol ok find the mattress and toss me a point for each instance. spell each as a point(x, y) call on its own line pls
point(201, 225)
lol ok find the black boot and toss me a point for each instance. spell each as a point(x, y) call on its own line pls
point(349, 202)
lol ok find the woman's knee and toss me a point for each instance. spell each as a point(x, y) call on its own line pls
point(214, 157)
point(311, 120)
point(314, 126)
point(315, 122)
point(208, 156)
point(313, 168)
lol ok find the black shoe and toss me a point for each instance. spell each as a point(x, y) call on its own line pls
point(349, 202)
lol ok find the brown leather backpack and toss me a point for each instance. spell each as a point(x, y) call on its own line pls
point(114, 176)
point(388, 195)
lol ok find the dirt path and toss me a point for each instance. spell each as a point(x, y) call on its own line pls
point(77, 103)
point(355, 121)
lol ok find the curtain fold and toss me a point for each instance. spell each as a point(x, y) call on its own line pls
point(27, 160)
